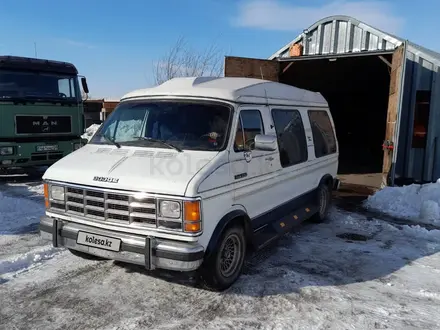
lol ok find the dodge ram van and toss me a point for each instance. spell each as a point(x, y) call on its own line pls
point(193, 174)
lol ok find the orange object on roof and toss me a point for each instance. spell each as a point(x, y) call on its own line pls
point(296, 50)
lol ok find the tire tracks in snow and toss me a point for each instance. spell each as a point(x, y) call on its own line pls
point(16, 265)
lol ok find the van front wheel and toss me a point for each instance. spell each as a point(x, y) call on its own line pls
point(224, 265)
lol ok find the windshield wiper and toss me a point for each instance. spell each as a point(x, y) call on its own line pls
point(108, 139)
point(169, 145)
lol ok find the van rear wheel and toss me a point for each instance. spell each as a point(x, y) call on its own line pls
point(324, 202)
point(223, 267)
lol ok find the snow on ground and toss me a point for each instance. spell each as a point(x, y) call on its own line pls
point(415, 202)
point(90, 131)
point(349, 273)
point(21, 205)
point(19, 213)
point(352, 272)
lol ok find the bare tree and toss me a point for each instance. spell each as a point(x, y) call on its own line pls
point(184, 61)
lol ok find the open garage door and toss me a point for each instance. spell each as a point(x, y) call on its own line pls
point(363, 92)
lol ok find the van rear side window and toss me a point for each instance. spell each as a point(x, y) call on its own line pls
point(291, 136)
point(323, 134)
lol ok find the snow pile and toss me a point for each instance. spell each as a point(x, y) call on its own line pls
point(414, 202)
point(24, 262)
point(90, 131)
point(19, 213)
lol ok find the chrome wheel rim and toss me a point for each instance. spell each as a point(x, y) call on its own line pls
point(230, 255)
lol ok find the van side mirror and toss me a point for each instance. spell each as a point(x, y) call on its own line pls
point(265, 142)
point(84, 85)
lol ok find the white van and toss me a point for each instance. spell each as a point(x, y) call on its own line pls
point(193, 174)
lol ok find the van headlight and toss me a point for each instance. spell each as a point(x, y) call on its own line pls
point(6, 151)
point(184, 216)
point(170, 209)
point(57, 193)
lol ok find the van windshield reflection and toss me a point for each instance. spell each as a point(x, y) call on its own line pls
point(175, 125)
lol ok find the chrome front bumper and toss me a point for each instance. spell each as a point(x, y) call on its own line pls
point(149, 252)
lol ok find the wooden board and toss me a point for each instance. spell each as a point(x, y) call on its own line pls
point(252, 68)
point(393, 109)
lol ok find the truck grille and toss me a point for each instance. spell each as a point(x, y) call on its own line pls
point(43, 124)
point(111, 207)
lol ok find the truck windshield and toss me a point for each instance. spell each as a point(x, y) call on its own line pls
point(181, 125)
point(37, 86)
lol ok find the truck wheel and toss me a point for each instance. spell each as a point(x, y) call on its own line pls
point(225, 264)
point(85, 255)
point(35, 173)
point(324, 203)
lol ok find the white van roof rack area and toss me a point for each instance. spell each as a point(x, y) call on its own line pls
point(233, 89)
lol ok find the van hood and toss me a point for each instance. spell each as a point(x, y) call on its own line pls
point(151, 170)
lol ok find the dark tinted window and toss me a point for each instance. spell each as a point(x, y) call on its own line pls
point(323, 135)
point(38, 86)
point(250, 124)
point(291, 136)
point(421, 119)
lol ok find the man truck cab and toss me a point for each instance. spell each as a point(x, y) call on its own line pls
point(193, 174)
point(41, 112)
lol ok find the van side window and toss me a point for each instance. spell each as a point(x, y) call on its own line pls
point(249, 125)
point(291, 136)
point(323, 134)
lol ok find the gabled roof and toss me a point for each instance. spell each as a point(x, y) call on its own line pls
point(232, 89)
point(345, 34)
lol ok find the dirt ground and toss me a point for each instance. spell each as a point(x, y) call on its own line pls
point(355, 188)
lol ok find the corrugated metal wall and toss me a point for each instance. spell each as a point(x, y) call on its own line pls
point(343, 34)
point(339, 36)
point(422, 74)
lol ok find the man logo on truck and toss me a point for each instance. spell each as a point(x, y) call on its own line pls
point(45, 123)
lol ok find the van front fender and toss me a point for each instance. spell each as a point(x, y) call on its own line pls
point(235, 216)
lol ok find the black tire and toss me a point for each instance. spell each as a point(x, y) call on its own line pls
point(85, 255)
point(224, 266)
point(324, 196)
point(35, 173)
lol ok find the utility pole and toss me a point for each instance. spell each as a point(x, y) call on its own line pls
point(35, 49)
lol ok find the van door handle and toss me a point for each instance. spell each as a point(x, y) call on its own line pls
point(269, 158)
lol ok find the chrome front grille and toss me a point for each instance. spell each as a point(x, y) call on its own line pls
point(113, 207)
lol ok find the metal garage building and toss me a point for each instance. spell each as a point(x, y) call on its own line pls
point(381, 89)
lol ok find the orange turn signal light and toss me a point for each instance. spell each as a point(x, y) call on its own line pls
point(46, 195)
point(191, 211)
point(192, 227)
point(191, 216)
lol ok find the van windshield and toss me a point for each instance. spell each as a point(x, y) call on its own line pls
point(166, 124)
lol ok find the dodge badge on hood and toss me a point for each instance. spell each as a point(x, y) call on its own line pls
point(105, 179)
